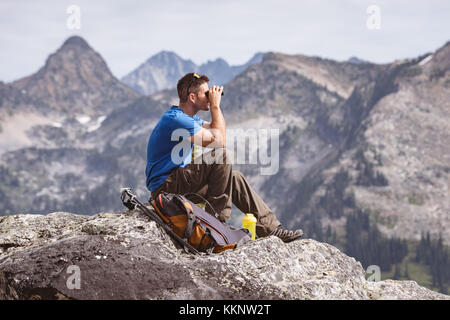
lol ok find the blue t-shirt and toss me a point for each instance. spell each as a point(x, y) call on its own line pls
point(168, 147)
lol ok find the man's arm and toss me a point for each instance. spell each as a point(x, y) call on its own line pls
point(213, 133)
point(206, 125)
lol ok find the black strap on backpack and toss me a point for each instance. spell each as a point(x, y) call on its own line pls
point(213, 212)
point(132, 203)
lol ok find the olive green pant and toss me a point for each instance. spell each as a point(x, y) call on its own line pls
point(222, 186)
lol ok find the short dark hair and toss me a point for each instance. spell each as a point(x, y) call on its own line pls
point(190, 82)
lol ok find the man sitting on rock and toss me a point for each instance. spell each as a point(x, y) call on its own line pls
point(171, 166)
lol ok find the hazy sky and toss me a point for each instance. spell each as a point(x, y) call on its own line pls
point(126, 33)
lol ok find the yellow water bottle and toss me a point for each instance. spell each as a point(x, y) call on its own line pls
point(201, 205)
point(249, 222)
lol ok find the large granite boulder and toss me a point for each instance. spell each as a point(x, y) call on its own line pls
point(126, 256)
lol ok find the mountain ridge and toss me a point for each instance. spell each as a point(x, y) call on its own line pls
point(162, 71)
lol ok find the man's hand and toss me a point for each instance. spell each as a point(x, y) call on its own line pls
point(215, 95)
point(213, 134)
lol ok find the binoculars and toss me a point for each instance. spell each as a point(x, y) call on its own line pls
point(207, 94)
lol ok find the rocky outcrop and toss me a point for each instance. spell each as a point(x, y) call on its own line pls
point(124, 256)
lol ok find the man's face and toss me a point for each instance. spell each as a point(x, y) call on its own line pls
point(202, 102)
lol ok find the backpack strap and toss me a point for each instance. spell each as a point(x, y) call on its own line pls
point(190, 225)
point(204, 200)
point(183, 202)
point(210, 246)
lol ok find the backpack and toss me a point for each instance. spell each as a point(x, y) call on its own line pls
point(193, 228)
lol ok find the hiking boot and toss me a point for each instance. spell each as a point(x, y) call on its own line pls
point(286, 235)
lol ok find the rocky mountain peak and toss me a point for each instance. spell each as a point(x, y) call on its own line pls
point(76, 79)
point(167, 58)
point(219, 62)
point(76, 41)
point(76, 55)
point(355, 59)
point(164, 69)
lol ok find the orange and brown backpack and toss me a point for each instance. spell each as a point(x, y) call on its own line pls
point(190, 226)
